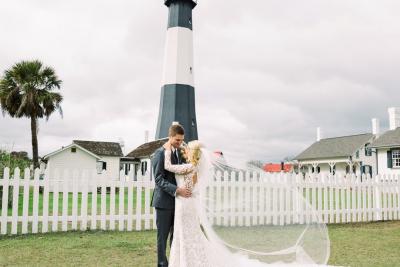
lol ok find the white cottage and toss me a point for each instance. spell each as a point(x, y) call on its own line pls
point(387, 146)
point(139, 159)
point(339, 155)
point(103, 158)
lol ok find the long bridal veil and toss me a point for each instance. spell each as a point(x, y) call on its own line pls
point(256, 219)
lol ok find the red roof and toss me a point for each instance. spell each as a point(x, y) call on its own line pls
point(276, 167)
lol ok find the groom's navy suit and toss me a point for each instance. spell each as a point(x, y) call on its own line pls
point(164, 201)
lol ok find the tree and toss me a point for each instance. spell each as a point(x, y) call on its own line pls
point(26, 90)
point(255, 163)
point(7, 160)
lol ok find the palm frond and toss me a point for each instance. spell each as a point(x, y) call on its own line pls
point(25, 90)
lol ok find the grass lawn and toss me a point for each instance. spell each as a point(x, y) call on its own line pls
point(363, 244)
point(89, 203)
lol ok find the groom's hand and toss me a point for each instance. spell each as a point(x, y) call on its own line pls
point(183, 192)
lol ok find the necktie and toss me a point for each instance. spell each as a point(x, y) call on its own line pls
point(176, 156)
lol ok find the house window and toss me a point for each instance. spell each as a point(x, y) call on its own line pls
point(101, 166)
point(353, 170)
point(366, 169)
point(318, 169)
point(144, 167)
point(368, 150)
point(396, 158)
point(357, 154)
point(73, 149)
point(333, 169)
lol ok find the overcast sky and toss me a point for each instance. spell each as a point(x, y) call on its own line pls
point(267, 72)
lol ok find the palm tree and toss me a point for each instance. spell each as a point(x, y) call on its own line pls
point(26, 90)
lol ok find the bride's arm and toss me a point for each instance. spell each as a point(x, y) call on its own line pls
point(175, 168)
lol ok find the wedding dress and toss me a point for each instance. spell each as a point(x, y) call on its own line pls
point(193, 246)
point(190, 247)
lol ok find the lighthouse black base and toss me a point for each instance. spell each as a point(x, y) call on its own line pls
point(177, 104)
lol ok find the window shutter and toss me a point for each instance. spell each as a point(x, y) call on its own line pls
point(99, 166)
point(389, 159)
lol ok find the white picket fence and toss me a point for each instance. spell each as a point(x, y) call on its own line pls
point(235, 199)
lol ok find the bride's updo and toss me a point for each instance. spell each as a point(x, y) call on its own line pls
point(195, 154)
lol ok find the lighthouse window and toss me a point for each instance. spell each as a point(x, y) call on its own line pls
point(191, 70)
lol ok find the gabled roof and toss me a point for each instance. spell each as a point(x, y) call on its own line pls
point(147, 149)
point(344, 146)
point(388, 139)
point(68, 147)
point(101, 148)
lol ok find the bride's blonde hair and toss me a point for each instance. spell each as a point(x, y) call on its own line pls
point(195, 148)
point(194, 156)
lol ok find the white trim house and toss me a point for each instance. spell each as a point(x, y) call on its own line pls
point(101, 159)
point(387, 146)
point(139, 159)
point(339, 155)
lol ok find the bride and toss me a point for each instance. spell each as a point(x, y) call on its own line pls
point(195, 243)
point(189, 247)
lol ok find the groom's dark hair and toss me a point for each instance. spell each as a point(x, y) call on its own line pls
point(176, 129)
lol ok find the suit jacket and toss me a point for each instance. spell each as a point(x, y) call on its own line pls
point(165, 188)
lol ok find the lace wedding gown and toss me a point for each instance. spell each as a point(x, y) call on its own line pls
point(190, 246)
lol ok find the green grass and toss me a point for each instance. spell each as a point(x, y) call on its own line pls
point(361, 244)
point(89, 204)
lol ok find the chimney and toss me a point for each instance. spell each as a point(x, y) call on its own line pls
point(375, 126)
point(146, 136)
point(319, 134)
point(394, 117)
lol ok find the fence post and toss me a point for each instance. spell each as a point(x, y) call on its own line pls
point(84, 202)
point(75, 181)
point(247, 197)
point(240, 199)
point(232, 211)
point(15, 182)
point(94, 185)
point(4, 206)
point(35, 221)
point(139, 202)
point(56, 181)
point(377, 198)
point(121, 208)
point(147, 183)
point(130, 200)
point(225, 201)
point(25, 200)
point(112, 204)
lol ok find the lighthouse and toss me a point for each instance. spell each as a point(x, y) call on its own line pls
point(177, 92)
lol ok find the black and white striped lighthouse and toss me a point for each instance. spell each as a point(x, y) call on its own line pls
point(177, 92)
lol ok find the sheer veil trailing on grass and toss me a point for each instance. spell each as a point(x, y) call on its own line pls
point(254, 220)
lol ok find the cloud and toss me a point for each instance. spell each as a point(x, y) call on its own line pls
point(267, 73)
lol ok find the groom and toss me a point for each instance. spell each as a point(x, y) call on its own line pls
point(165, 192)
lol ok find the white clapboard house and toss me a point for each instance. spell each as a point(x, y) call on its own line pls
point(101, 159)
point(338, 155)
point(387, 146)
point(370, 153)
point(139, 159)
